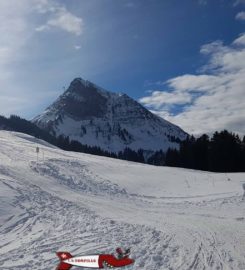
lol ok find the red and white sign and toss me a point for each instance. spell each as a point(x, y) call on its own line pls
point(91, 261)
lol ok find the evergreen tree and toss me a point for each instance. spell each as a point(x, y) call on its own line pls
point(225, 152)
point(200, 153)
point(172, 158)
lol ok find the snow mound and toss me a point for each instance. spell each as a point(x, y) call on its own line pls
point(80, 178)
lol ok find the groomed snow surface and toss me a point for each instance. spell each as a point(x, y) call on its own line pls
point(172, 218)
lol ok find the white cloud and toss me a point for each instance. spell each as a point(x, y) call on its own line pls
point(215, 99)
point(59, 17)
point(77, 47)
point(16, 26)
point(67, 22)
point(159, 99)
point(240, 16)
point(189, 83)
point(42, 28)
point(225, 58)
point(18, 20)
point(240, 41)
point(46, 6)
point(13, 29)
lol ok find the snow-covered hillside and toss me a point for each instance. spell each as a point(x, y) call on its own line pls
point(171, 218)
point(96, 117)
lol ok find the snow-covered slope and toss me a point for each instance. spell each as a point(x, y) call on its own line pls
point(171, 218)
point(96, 117)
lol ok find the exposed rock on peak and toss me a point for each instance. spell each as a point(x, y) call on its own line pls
point(92, 115)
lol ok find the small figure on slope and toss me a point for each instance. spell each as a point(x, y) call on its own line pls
point(243, 197)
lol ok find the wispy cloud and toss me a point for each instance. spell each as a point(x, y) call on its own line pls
point(13, 29)
point(161, 100)
point(240, 16)
point(239, 2)
point(18, 25)
point(59, 17)
point(77, 47)
point(213, 100)
point(148, 83)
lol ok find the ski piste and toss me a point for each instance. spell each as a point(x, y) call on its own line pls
point(98, 261)
point(175, 218)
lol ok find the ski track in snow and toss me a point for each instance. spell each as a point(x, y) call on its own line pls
point(86, 204)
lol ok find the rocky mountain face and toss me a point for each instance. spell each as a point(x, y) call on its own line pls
point(96, 117)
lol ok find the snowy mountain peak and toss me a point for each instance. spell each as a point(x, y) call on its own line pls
point(94, 116)
point(80, 85)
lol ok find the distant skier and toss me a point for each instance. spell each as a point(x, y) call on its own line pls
point(243, 197)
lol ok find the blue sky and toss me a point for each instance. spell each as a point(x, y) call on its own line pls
point(184, 60)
